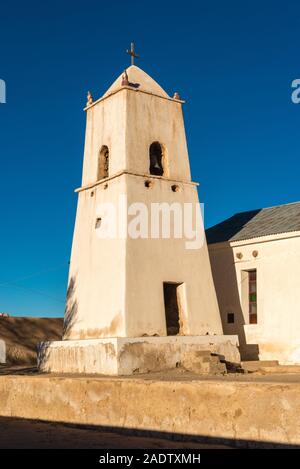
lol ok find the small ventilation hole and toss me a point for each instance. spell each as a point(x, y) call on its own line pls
point(98, 223)
point(148, 184)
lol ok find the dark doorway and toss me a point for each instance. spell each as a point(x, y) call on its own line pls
point(171, 308)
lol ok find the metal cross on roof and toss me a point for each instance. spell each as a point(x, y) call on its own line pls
point(132, 53)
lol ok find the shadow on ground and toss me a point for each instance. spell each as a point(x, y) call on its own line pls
point(34, 434)
point(23, 433)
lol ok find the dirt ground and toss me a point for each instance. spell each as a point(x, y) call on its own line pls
point(20, 433)
point(171, 375)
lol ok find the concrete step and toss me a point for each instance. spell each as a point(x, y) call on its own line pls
point(255, 365)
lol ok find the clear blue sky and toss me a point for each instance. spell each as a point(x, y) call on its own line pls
point(232, 61)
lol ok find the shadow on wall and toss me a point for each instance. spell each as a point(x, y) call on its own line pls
point(26, 433)
point(42, 357)
point(229, 301)
point(71, 311)
point(70, 318)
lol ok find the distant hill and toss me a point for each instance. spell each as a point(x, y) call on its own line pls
point(22, 334)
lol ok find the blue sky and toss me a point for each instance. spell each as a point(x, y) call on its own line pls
point(232, 61)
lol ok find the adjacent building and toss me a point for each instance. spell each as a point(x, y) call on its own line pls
point(255, 260)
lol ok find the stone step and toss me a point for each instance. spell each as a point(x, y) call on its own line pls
point(255, 365)
point(207, 368)
point(202, 353)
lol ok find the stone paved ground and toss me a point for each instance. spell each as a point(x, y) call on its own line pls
point(171, 375)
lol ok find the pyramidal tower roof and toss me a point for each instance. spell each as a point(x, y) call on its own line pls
point(138, 80)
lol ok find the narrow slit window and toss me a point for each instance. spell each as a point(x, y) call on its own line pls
point(103, 163)
point(252, 285)
point(230, 318)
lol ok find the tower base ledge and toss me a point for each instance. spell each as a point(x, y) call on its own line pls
point(131, 355)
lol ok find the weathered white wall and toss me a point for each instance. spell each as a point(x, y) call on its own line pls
point(105, 125)
point(277, 334)
point(118, 283)
point(127, 122)
point(127, 355)
point(151, 119)
point(97, 301)
point(150, 262)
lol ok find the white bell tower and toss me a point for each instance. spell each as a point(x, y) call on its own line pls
point(134, 303)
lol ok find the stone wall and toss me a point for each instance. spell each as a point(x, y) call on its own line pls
point(243, 412)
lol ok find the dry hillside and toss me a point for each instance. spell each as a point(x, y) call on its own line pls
point(22, 334)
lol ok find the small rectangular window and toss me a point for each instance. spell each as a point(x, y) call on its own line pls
point(252, 288)
point(230, 318)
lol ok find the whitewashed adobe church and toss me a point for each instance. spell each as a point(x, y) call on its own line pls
point(135, 305)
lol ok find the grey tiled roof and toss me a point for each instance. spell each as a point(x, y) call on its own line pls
point(261, 222)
